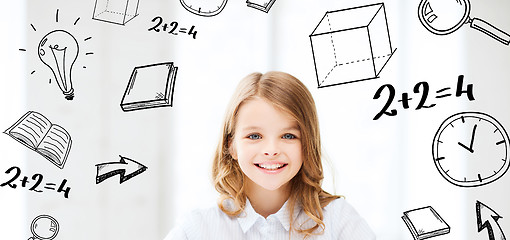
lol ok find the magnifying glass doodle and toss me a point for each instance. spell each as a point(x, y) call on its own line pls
point(443, 17)
point(44, 227)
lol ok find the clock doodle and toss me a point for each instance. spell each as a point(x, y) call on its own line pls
point(470, 149)
point(204, 8)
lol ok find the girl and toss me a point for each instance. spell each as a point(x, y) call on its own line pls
point(268, 171)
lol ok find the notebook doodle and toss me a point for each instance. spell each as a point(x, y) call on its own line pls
point(262, 5)
point(425, 223)
point(150, 86)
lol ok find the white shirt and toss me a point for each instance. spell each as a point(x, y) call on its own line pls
point(340, 219)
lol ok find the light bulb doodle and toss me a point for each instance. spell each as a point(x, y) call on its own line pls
point(59, 51)
point(44, 227)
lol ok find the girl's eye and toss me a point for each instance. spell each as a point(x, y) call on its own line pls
point(254, 136)
point(288, 136)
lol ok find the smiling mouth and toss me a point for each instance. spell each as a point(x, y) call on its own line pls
point(271, 166)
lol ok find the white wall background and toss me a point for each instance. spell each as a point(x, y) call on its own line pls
point(383, 167)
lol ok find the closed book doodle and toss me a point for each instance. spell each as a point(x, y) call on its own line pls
point(425, 223)
point(262, 5)
point(150, 86)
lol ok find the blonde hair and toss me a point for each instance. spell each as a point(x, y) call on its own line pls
point(288, 94)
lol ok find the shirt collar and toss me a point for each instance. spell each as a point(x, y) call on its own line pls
point(249, 217)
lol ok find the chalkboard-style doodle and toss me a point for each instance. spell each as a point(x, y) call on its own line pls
point(471, 149)
point(44, 227)
point(204, 8)
point(425, 223)
point(486, 218)
point(262, 5)
point(33, 184)
point(443, 17)
point(351, 45)
point(115, 11)
point(150, 86)
point(59, 50)
point(37, 133)
point(423, 89)
point(126, 168)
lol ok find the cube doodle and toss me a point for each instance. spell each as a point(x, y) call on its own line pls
point(115, 11)
point(351, 45)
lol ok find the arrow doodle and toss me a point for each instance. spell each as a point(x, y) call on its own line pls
point(125, 165)
point(488, 218)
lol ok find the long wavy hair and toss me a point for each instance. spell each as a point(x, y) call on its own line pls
point(290, 95)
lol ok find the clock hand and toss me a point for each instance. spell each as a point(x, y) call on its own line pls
point(464, 146)
point(472, 138)
point(470, 148)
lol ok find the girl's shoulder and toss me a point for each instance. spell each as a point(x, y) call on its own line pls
point(205, 216)
point(203, 223)
point(211, 212)
point(339, 210)
point(204, 212)
point(342, 219)
point(338, 205)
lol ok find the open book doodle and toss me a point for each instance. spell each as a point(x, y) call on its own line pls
point(425, 223)
point(37, 133)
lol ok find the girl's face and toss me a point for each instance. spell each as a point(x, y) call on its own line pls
point(267, 145)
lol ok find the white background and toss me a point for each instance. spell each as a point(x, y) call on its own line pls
point(383, 167)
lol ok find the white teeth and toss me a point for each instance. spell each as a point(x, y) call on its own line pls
point(270, 166)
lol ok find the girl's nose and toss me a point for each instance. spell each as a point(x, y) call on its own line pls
point(271, 148)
